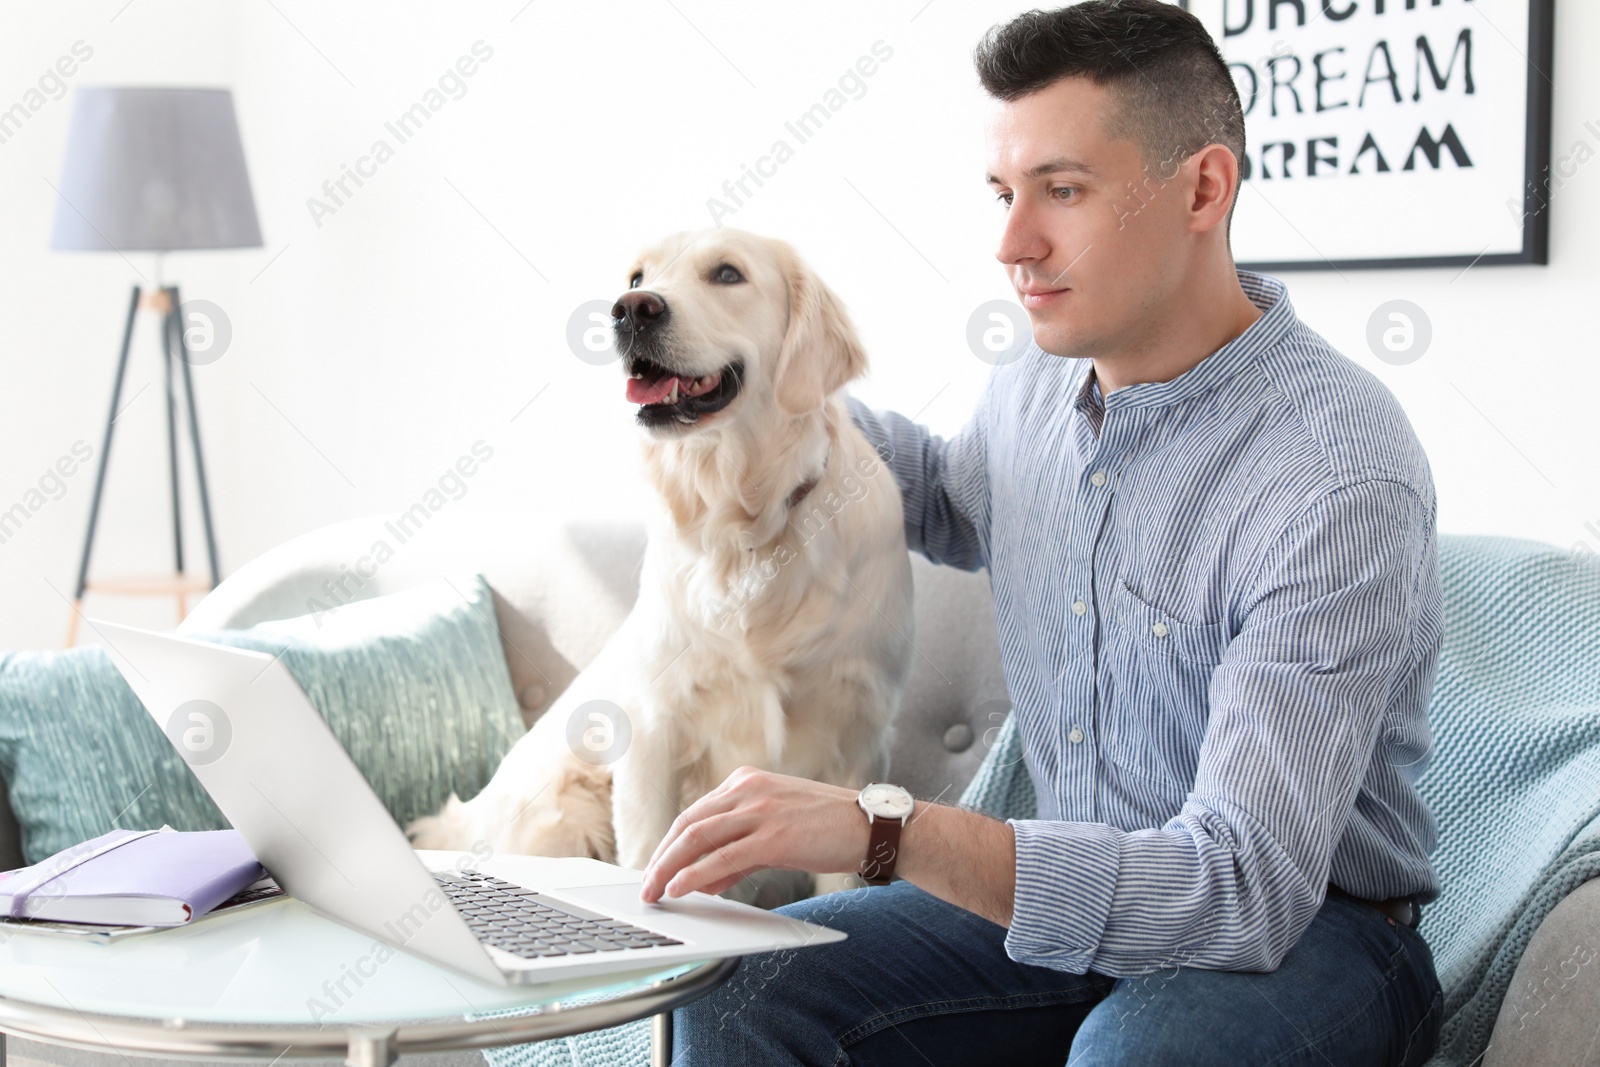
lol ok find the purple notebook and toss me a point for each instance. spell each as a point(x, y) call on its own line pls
point(133, 878)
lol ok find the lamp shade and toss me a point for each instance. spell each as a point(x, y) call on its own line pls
point(154, 170)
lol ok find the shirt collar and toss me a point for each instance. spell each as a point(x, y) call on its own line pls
point(1089, 402)
point(1277, 317)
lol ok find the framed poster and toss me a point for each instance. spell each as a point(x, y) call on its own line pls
point(1391, 133)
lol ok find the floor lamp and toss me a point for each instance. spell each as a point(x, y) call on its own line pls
point(154, 170)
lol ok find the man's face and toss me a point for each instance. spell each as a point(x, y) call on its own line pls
point(1088, 228)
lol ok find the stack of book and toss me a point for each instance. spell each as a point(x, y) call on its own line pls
point(133, 881)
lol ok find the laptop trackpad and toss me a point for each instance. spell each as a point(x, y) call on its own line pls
point(698, 917)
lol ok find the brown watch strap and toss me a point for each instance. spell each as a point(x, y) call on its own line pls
point(882, 850)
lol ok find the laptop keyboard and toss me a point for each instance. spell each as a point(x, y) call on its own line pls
point(528, 924)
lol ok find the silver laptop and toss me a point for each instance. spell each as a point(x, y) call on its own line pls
point(274, 768)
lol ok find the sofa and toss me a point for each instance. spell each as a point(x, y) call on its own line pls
point(561, 588)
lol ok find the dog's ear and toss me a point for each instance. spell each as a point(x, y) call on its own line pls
point(821, 351)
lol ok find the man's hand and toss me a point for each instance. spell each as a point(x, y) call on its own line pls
point(753, 821)
point(757, 820)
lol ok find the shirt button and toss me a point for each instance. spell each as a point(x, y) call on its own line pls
point(1159, 629)
point(1098, 477)
point(958, 738)
point(1079, 607)
point(1075, 736)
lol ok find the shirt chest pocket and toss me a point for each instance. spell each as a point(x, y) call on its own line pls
point(1154, 679)
point(1153, 630)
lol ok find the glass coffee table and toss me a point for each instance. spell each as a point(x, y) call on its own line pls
point(276, 980)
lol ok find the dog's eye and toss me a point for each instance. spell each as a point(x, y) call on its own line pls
point(727, 274)
point(633, 282)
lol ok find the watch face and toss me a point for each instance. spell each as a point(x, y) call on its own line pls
point(884, 801)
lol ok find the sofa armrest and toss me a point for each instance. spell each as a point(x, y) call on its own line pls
point(1549, 1013)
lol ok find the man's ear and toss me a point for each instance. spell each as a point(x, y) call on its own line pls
point(1216, 179)
point(821, 351)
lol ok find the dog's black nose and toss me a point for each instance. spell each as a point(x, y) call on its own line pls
point(638, 308)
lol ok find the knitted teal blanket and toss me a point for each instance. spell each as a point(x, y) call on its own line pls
point(1514, 781)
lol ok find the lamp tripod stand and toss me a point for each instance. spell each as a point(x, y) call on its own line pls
point(175, 357)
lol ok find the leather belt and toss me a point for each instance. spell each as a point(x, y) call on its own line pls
point(1404, 910)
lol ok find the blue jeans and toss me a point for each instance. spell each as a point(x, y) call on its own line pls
point(920, 981)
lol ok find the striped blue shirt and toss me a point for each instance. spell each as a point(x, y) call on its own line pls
point(1219, 611)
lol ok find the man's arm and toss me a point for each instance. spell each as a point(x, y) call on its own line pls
point(944, 484)
point(1343, 610)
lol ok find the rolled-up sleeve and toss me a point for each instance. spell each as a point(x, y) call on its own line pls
point(1327, 635)
point(944, 484)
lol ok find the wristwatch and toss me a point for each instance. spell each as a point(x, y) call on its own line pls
point(888, 809)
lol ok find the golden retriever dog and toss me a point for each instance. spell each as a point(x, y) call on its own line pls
point(773, 624)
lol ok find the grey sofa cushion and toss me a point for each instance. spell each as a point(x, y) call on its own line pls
point(955, 699)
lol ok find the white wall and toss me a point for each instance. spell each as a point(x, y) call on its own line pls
point(424, 314)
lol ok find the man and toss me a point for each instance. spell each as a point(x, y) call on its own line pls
point(1211, 542)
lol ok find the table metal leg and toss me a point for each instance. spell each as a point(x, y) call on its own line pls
point(2, 1049)
point(368, 1048)
point(660, 1040)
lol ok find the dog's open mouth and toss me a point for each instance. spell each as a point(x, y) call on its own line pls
point(665, 396)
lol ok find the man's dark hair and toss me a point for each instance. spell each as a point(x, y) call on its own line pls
point(1172, 90)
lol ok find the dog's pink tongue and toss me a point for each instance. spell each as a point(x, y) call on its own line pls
point(643, 392)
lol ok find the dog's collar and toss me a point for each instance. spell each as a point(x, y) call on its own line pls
point(809, 484)
point(801, 490)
